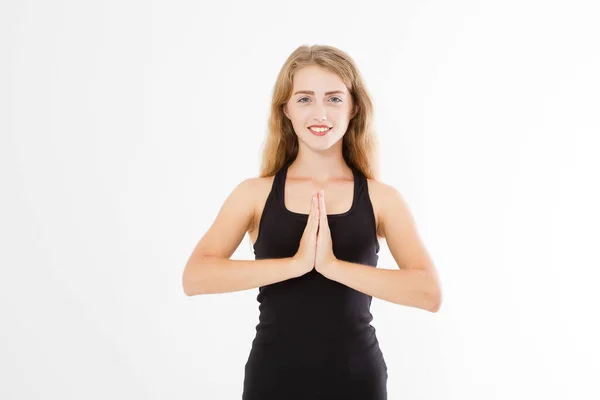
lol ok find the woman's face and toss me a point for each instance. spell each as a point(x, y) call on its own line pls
point(319, 93)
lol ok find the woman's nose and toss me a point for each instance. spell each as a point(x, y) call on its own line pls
point(320, 113)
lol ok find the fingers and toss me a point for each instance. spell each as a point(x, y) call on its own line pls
point(311, 214)
point(314, 212)
point(323, 214)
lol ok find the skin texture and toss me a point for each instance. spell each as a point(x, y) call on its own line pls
point(305, 109)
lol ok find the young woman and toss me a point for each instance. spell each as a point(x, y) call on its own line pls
point(315, 215)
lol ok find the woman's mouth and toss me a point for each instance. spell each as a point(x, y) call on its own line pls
point(319, 131)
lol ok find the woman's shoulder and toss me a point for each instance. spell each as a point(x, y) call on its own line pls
point(257, 184)
point(381, 196)
point(377, 189)
point(253, 183)
point(380, 188)
point(256, 190)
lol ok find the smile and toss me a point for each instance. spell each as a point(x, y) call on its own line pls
point(319, 131)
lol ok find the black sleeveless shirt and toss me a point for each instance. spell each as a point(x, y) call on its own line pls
point(312, 308)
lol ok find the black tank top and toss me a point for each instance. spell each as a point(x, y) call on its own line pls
point(312, 308)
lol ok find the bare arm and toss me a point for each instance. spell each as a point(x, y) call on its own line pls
point(415, 283)
point(210, 269)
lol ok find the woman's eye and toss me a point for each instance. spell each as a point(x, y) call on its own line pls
point(300, 100)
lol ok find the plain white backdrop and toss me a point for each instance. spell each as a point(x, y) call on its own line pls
point(125, 124)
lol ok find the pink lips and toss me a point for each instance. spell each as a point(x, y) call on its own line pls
point(319, 133)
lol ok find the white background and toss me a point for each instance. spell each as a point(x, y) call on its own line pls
point(125, 124)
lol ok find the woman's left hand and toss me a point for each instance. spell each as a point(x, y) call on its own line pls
point(325, 259)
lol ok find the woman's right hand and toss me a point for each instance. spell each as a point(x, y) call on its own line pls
point(304, 259)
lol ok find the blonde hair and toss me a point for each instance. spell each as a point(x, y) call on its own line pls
point(359, 146)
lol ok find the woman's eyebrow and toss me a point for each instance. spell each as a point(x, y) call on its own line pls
point(326, 93)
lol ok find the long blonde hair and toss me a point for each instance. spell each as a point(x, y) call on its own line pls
point(359, 146)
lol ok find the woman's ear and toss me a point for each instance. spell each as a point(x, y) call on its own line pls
point(354, 111)
point(285, 111)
